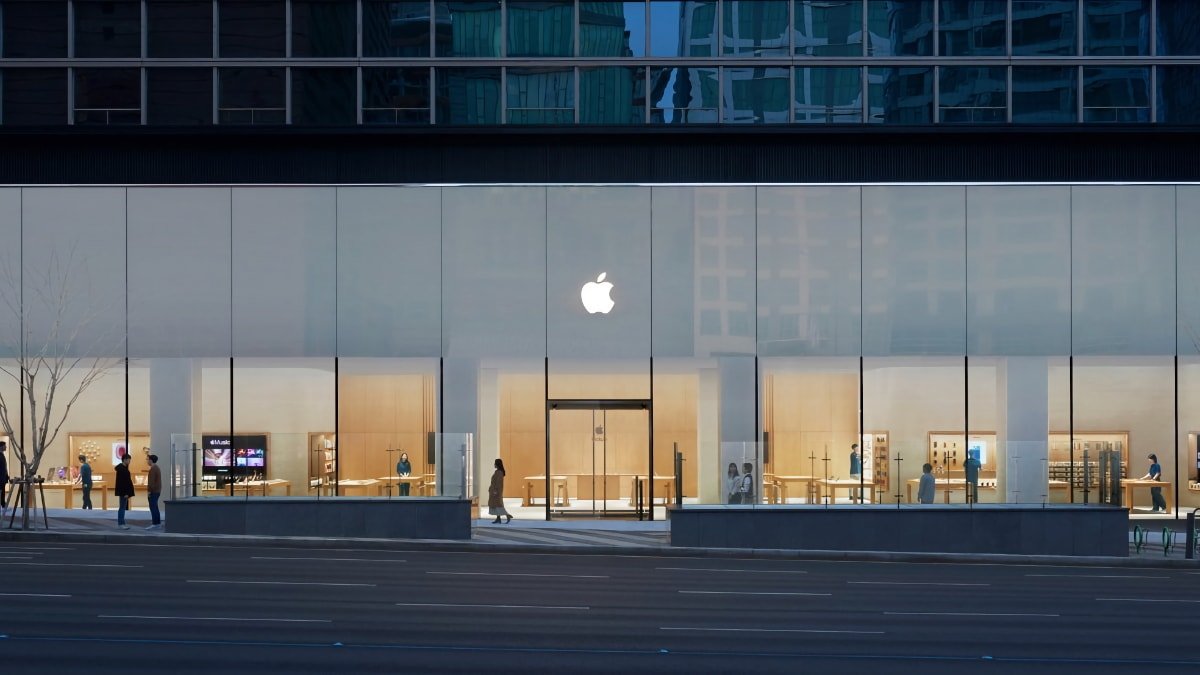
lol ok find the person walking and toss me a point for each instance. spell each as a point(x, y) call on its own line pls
point(123, 489)
point(927, 488)
point(85, 482)
point(3, 477)
point(733, 482)
point(1156, 495)
point(153, 491)
point(496, 494)
point(403, 470)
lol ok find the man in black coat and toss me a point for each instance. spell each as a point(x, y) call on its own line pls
point(124, 490)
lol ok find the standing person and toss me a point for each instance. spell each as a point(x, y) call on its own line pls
point(3, 476)
point(123, 489)
point(496, 494)
point(855, 471)
point(971, 471)
point(746, 489)
point(927, 488)
point(403, 470)
point(1156, 495)
point(733, 482)
point(85, 481)
point(153, 491)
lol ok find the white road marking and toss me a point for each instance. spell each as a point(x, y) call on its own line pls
point(1096, 576)
point(441, 604)
point(20, 556)
point(34, 595)
point(964, 614)
point(750, 593)
point(34, 548)
point(915, 583)
point(1144, 600)
point(714, 569)
point(42, 564)
point(207, 618)
point(271, 557)
point(771, 630)
point(273, 583)
point(522, 574)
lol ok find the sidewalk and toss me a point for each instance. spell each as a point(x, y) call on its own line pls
point(580, 537)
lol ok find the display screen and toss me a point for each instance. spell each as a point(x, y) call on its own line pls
point(977, 449)
point(240, 453)
point(253, 457)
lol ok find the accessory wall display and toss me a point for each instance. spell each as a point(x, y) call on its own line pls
point(948, 451)
point(322, 460)
point(1081, 468)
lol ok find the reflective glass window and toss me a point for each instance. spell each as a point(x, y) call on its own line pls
point(612, 95)
point(1179, 94)
point(468, 28)
point(33, 96)
point(253, 29)
point(755, 96)
point(179, 29)
point(33, 29)
point(972, 27)
point(179, 96)
point(1043, 94)
point(900, 95)
point(541, 28)
point(541, 95)
point(755, 28)
point(395, 96)
point(396, 29)
point(1178, 27)
point(107, 96)
point(972, 94)
point(900, 27)
point(108, 30)
point(683, 95)
point(323, 28)
point(828, 27)
point(1116, 28)
point(612, 29)
point(825, 95)
point(252, 96)
point(1115, 94)
point(1043, 27)
point(683, 28)
point(323, 96)
point(468, 95)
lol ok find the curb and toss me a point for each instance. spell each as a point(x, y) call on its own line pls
point(447, 546)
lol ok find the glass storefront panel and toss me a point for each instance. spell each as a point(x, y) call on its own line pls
point(1178, 27)
point(33, 96)
point(612, 29)
point(323, 96)
point(251, 96)
point(468, 95)
point(107, 30)
point(755, 28)
point(1116, 94)
point(33, 29)
point(541, 28)
point(396, 95)
point(683, 95)
point(1116, 28)
point(1044, 27)
point(396, 29)
point(179, 29)
point(1044, 95)
point(1178, 94)
point(900, 27)
point(540, 95)
point(900, 95)
point(828, 95)
point(466, 29)
point(972, 28)
point(1187, 480)
point(972, 94)
point(823, 28)
point(612, 95)
point(323, 28)
point(755, 96)
point(108, 96)
point(179, 96)
point(253, 29)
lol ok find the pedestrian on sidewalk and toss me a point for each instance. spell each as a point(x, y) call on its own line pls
point(153, 490)
point(85, 481)
point(733, 483)
point(496, 494)
point(927, 488)
point(123, 489)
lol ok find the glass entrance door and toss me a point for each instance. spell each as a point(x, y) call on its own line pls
point(599, 455)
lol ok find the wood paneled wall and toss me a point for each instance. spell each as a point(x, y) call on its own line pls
point(379, 412)
point(807, 414)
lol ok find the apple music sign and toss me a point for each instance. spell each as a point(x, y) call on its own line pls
point(595, 295)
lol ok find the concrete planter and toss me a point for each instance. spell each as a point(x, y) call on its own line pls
point(401, 518)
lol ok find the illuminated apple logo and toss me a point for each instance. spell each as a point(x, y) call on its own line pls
point(595, 295)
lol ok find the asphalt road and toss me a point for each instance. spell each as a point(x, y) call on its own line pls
point(146, 608)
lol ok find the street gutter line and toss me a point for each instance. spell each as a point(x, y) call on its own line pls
point(915, 583)
point(1096, 576)
point(34, 595)
point(207, 618)
point(439, 604)
point(274, 583)
point(965, 614)
point(1143, 600)
point(771, 630)
point(271, 557)
point(522, 574)
point(750, 593)
point(710, 569)
point(43, 564)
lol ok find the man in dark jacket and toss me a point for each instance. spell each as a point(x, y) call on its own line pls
point(124, 490)
point(153, 490)
point(3, 476)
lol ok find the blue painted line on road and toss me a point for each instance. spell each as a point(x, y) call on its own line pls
point(598, 651)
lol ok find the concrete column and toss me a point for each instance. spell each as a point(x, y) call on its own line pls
point(460, 412)
point(175, 403)
point(1023, 416)
point(739, 426)
point(487, 443)
point(709, 474)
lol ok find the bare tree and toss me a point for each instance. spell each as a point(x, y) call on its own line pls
point(56, 358)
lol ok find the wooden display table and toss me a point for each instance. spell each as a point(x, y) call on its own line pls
point(1128, 484)
point(945, 486)
point(415, 483)
point(264, 485)
point(667, 493)
point(830, 486)
point(68, 490)
point(810, 487)
point(360, 488)
point(558, 486)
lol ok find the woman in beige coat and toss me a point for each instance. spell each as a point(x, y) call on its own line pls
point(496, 494)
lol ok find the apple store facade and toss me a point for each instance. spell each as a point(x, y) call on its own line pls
point(620, 346)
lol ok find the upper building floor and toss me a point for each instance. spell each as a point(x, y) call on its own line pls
point(565, 62)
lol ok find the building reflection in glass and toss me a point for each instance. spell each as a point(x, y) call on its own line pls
point(683, 95)
point(900, 95)
point(1116, 28)
point(1116, 94)
point(1043, 27)
point(828, 27)
point(1043, 95)
point(972, 94)
point(972, 27)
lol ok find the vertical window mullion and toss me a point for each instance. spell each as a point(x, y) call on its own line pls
point(287, 95)
point(358, 45)
point(578, 101)
point(216, 32)
point(145, 30)
point(287, 32)
point(143, 86)
point(358, 95)
point(432, 117)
